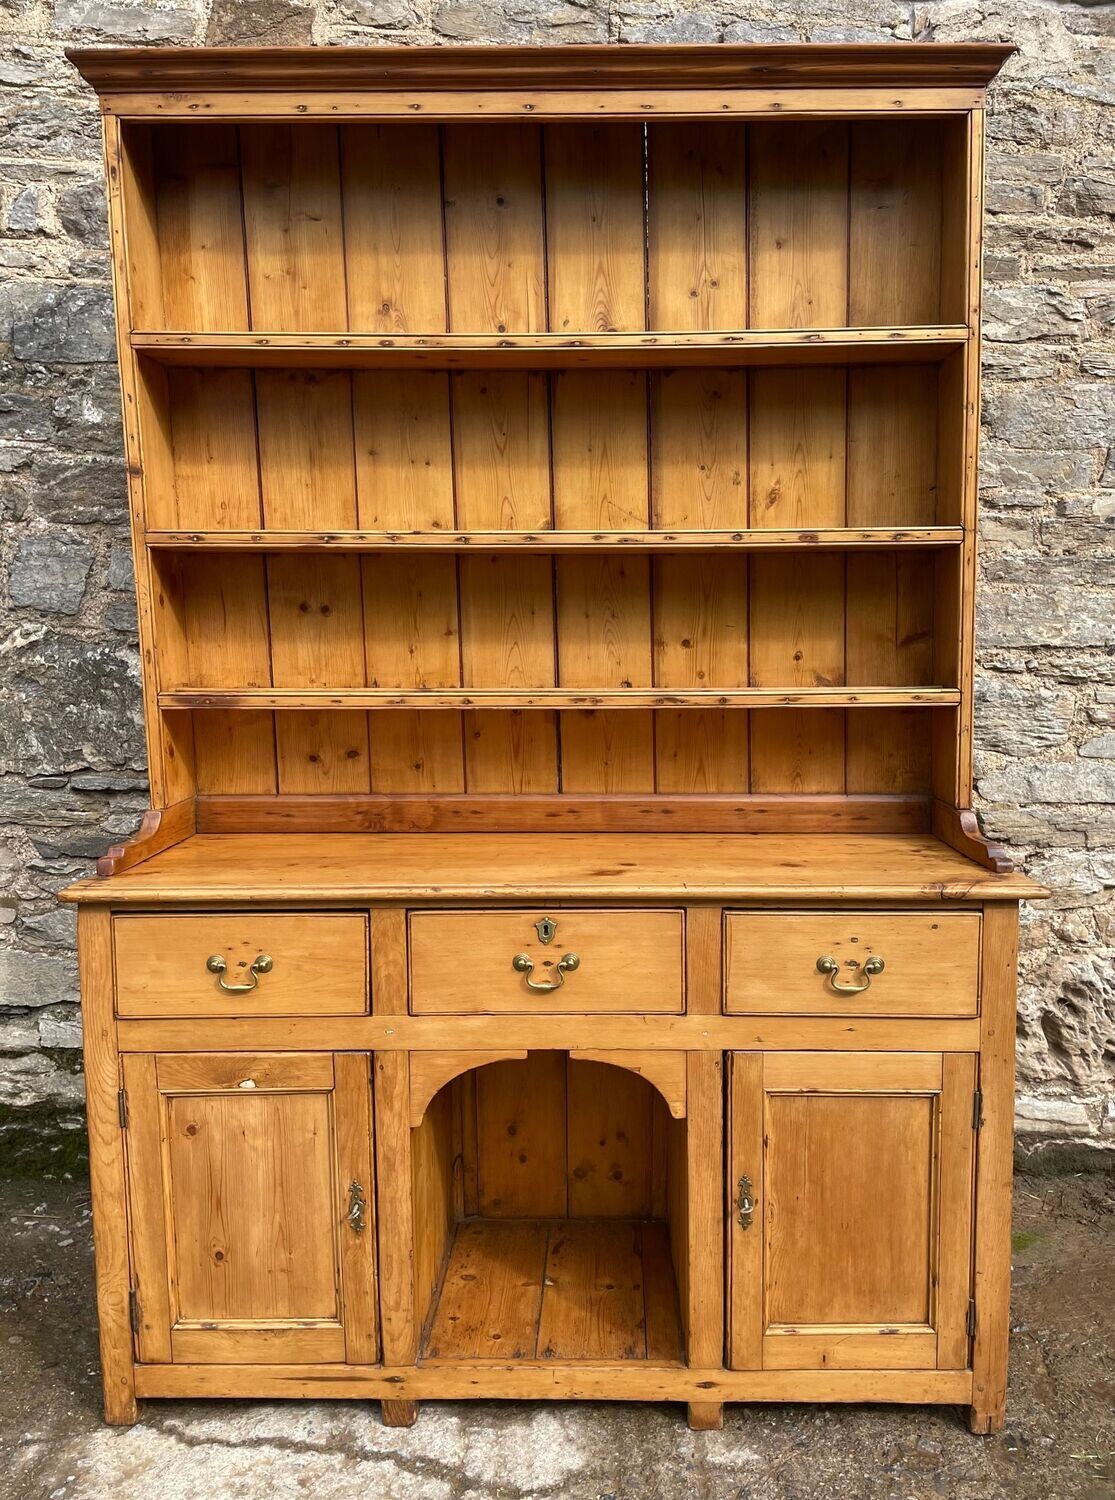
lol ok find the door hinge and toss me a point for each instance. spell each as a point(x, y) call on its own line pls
point(971, 1317)
point(122, 1108)
point(977, 1109)
point(133, 1309)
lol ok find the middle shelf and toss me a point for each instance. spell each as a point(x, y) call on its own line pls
point(362, 698)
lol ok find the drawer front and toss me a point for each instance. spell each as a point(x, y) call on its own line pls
point(168, 965)
point(929, 963)
point(485, 962)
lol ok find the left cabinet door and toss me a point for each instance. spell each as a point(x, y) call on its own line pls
point(251, 1207)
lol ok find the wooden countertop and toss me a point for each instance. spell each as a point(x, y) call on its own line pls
point(350, 868)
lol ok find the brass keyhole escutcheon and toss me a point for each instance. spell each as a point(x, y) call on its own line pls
point(546, 928)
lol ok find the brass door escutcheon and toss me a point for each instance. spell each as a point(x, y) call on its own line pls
point(523, 964)
point(261, 965)
point(545, 927)
point(354, 1218)
point(745, 1204)
point(831, 968)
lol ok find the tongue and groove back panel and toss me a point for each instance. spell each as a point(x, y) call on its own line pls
point(509, 228)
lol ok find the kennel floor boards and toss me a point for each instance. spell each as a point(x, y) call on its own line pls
point(581, 1289)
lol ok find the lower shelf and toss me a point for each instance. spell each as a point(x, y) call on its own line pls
point(568, 1289)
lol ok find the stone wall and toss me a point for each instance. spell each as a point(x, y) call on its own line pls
point(71, 745)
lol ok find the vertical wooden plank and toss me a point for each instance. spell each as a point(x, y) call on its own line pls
point(745, 1159)
point(501, 466)
point(394, 238)
point(314, 608)
point(889, 642)
point(892, 445)
point(147, 1194)
point(394, 1197)
point(603, 612)
point(106, 1163)
point(797, 449)
point(293, 227)
point(501, 450)
point(412, 640)
point(212, 434)
point(957, 224)
point(895, 229)
point(660, 1297)
point(608, 1137)
point(308, 482)
point(494, 244)
point(507, 640)
point(704, 1318)
point(405, 481)
point(389, 961)
point(595, 228)
point(700, 641)
point(994, 1167)
point(696, 236)
point(699, 479)
point(431, 1146)
point(200, 228)
point(798, 224)
point(797, 640)
point(520, 1130)
point(955, 1151)
point(353, 1125)
point(404, 468)
point(137, 288)
point(703, 946)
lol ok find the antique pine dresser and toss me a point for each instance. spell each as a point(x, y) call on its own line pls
point(561, 960)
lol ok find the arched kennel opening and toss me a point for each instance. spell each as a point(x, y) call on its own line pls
point(550, 1206)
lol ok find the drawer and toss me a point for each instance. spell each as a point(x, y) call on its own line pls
point(319, 964)
point(930, 963)
point(470, 962)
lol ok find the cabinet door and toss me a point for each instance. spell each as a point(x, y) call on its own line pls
point(856, 1254)
point(251, 1203)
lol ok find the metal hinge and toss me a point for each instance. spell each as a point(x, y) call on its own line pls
point(122, 1108)
point(971, 1317)
point(977, 1109)
point(133, 1309)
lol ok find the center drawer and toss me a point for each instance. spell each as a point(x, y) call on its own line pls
point(242, 964)
point(565, 962)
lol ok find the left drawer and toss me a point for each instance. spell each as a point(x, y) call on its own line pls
point(242, 963)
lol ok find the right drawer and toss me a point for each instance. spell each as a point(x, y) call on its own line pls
point(852, 963)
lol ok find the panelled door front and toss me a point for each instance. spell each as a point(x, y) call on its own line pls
point(851, 1210)
point(251, 1205)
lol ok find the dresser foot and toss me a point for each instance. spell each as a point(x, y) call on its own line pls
point(705, 1416)
point(121, 1409)
point(399, 1413)
point(984, 1423)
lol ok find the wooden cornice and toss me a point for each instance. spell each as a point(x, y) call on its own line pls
point(215, 69)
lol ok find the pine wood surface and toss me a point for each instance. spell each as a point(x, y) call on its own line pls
point(428, 867)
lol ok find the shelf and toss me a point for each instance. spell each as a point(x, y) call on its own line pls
point(554, 698)
point(535, 351)
point(575, 1289)
point(836, 538)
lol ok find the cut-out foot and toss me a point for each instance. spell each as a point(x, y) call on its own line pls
point(705, 1416)
point(985, 1423)
point(399, 1413)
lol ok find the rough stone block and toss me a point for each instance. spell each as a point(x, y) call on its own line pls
point(50, 573)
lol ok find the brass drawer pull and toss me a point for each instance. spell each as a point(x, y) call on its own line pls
point(830, 967)
point(217, 965)
point(354, 1218)
point(523, 964)
point(745, 1204)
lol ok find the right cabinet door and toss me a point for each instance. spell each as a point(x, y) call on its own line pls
point(850, 1210)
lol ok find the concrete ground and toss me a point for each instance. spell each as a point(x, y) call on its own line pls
point(1059, 1441)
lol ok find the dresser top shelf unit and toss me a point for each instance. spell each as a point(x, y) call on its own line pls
point(595, 423)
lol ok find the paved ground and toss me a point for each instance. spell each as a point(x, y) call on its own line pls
point(1059, 1441)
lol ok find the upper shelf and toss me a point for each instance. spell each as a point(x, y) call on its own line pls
point(556, 698)
point(535, 351)
point(842, 538)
